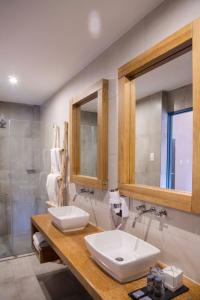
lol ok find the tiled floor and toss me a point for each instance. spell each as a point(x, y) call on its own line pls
point(25, 278)
point(18, 278)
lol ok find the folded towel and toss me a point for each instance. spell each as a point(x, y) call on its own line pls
point(56, 160)
point(38, 237)
point(38, 247)
point(39, 241)
point(52, 187)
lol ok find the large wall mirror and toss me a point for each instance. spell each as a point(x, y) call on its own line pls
point(89, 113)
point(159, 123)
point(163, 124)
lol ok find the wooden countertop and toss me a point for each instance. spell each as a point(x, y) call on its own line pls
point(72, 250)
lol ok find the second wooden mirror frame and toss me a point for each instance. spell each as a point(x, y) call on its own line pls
point(99, 91)
point(178, 43)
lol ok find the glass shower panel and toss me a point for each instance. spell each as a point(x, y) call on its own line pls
point(5, 224)
point(25, 175)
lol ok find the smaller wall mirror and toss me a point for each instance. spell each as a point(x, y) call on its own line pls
point(88, 138)
point(89, 114)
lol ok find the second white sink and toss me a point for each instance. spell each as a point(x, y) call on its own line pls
point(122, 255)
point(69, 218)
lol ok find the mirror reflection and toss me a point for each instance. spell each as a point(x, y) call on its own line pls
point(88, 138)
point(163, 120)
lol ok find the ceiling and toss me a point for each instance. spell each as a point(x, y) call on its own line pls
point(47, 42)
point(170, 76)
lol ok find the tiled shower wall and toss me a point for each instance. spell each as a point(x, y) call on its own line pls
point(178, 236)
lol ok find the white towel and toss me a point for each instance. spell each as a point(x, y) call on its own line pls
point(39, 241)
point(38, 237)
point(56, 160)
point(37, 247)
point(52, 187)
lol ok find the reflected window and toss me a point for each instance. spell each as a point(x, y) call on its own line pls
point(179, 170)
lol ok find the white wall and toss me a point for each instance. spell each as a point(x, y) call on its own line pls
point(179, 236)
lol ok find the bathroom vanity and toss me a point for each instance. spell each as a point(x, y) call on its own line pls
point(71, 249)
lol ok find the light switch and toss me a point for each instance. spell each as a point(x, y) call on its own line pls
point(152, 156)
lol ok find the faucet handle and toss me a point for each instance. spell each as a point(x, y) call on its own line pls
point(141, 207)
point(162, 213)
point(152, 209)
point(83, 190)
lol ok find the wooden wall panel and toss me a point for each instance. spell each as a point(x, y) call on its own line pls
point(196, 117)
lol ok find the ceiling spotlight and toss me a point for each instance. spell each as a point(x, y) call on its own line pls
point(94, 24)
point(13, 80)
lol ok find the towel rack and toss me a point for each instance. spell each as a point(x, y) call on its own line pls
point(62, 179)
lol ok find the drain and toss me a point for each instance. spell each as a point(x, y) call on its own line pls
point(119, 259)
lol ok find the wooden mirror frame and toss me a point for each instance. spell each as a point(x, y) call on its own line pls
point(99, 91)
point(176, 44)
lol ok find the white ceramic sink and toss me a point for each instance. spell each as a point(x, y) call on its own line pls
point(122, 255)
point(69, 218)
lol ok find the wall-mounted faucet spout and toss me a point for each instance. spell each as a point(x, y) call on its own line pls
point(141, 211)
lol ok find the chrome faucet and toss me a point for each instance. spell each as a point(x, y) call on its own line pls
point(161, 213)
point(86, 190)
point(83, 191)
point(141, 211)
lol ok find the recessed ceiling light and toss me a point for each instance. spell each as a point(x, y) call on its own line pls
point(94, 24)
point(13, 80)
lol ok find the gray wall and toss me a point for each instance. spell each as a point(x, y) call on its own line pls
point(148, 139)
point(180, 98)
point(180, 230)
point(20, 111)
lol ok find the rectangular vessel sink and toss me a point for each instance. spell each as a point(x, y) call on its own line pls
point(122, 255)
point(69, 218)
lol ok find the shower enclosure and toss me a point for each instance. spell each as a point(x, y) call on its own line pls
point(22, 184)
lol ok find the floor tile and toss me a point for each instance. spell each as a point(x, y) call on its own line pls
point(24, 278)
point(8, 291)
point(29, 289)
point(21, 267)
point(6, 272)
